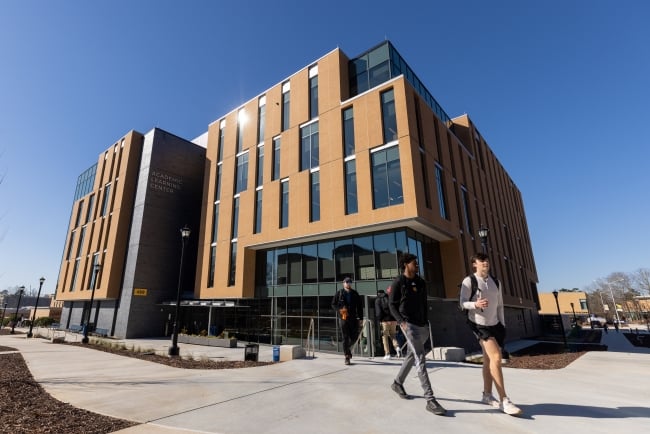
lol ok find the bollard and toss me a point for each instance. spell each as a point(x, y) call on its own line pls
point(276, 353)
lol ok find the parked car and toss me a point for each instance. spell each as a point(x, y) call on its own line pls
point(596, 321)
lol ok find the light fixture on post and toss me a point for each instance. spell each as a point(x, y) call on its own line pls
point(96, 269)
point(38, 295)
point(20, 296)
point(173, 350)
point(483, 235)
point(555, 294)
point(575, 320)
point(609, 284)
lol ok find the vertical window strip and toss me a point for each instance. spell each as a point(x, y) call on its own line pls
point(241, 173)
point(313, 97)
point(107, 193)
point(386, 178)
point(351, 204)
point(466, 209)
point(222, 134)
point(284, 203)
point(442, 200)
point(276, 159)
point(389, 117)
point(91, 205)
point(232, 272)
point(258, 212)
point(425, 179)
point(309, 147)
point(260, 165)
point(215, 223)
point(235, 218)
point(315, 196)
point(348, 131)
point(213, 257)
point(286, 102)
point(261, 119)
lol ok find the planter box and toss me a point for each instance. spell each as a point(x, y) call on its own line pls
point(209, 341)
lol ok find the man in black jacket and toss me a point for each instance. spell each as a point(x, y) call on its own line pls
point(387, 323)
point(347, 303)
point(408, 304)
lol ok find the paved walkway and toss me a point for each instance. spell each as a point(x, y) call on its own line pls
point(601, 392)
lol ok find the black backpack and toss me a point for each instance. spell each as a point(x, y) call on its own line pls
point(475, 289)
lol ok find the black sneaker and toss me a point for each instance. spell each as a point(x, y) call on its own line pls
point(435, 408)
point(399, 389)
point(347, 360)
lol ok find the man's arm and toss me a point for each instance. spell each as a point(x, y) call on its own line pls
point(394, 300)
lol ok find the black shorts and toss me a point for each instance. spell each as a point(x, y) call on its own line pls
point(497, 331)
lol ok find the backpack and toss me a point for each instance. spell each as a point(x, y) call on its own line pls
point(475, 289)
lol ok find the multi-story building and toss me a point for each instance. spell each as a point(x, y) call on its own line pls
point(333, 172)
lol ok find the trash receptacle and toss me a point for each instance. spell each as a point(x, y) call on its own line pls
point(276, 353)
point(251, 352)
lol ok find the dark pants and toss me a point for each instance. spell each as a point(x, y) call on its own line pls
point(350, 331)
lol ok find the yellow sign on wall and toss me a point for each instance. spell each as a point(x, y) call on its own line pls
point(140, 291)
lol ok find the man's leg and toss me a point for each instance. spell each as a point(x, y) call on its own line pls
point(492, 371)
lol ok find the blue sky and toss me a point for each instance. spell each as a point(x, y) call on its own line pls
point(559, 89)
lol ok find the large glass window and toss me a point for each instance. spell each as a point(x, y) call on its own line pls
point(348, 131)
point(309, 146)
point(284, 203)
point(310, 263)
point(385, 255)
point(351, 204)
point(326, 265)
point(276, 159)
point(286, 100)
point(388, 116)
point(281, 266)
point(442, 201)
point(294, 265)
point(364, 260)
point(386, 178)
point(241, 175)
point(315, 196)
point(344, 258)
point(313, 92)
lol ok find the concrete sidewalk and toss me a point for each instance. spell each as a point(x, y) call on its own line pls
point(601, 392)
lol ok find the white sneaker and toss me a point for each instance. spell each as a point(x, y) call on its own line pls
point(509, 408)
point(399, 353)
point(489, 399)
point(387, 357)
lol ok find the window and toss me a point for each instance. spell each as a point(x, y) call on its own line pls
point(364, 258)
point(286, 99)
point(91, 204)
point(241, 173)
point(260, 165)
point(276, 159)
point(313, 92)
point(215, 222)
point(442, 201)
point(310, 263)
point(107, 193)
point(69, 254)
point(261, 119)
point(78, 218)
point(465, 203)
point(326, 266)
point(235, 218)
point(241, 121)
point(75, 271)
point(386, 177)
point(233, 263)
point(315, 196)
point(425, 179)
point(81, 241)
point(258, 212)
point(309, 146)
point(213, 259)
point(284, 203)
point(222, 133)
point(217, 194)
point(348, 131)
point(351, 206)
point(388, 116)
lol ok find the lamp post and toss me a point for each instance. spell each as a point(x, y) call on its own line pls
point(96, 269)
point(609, 284)
point(557, 304)
point(20, 295)
point(173, 350)
point(38, 295)
point(575, 320)
point(2, 321)
point(483, 235)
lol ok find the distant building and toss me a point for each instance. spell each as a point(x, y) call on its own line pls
point(333, 172)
